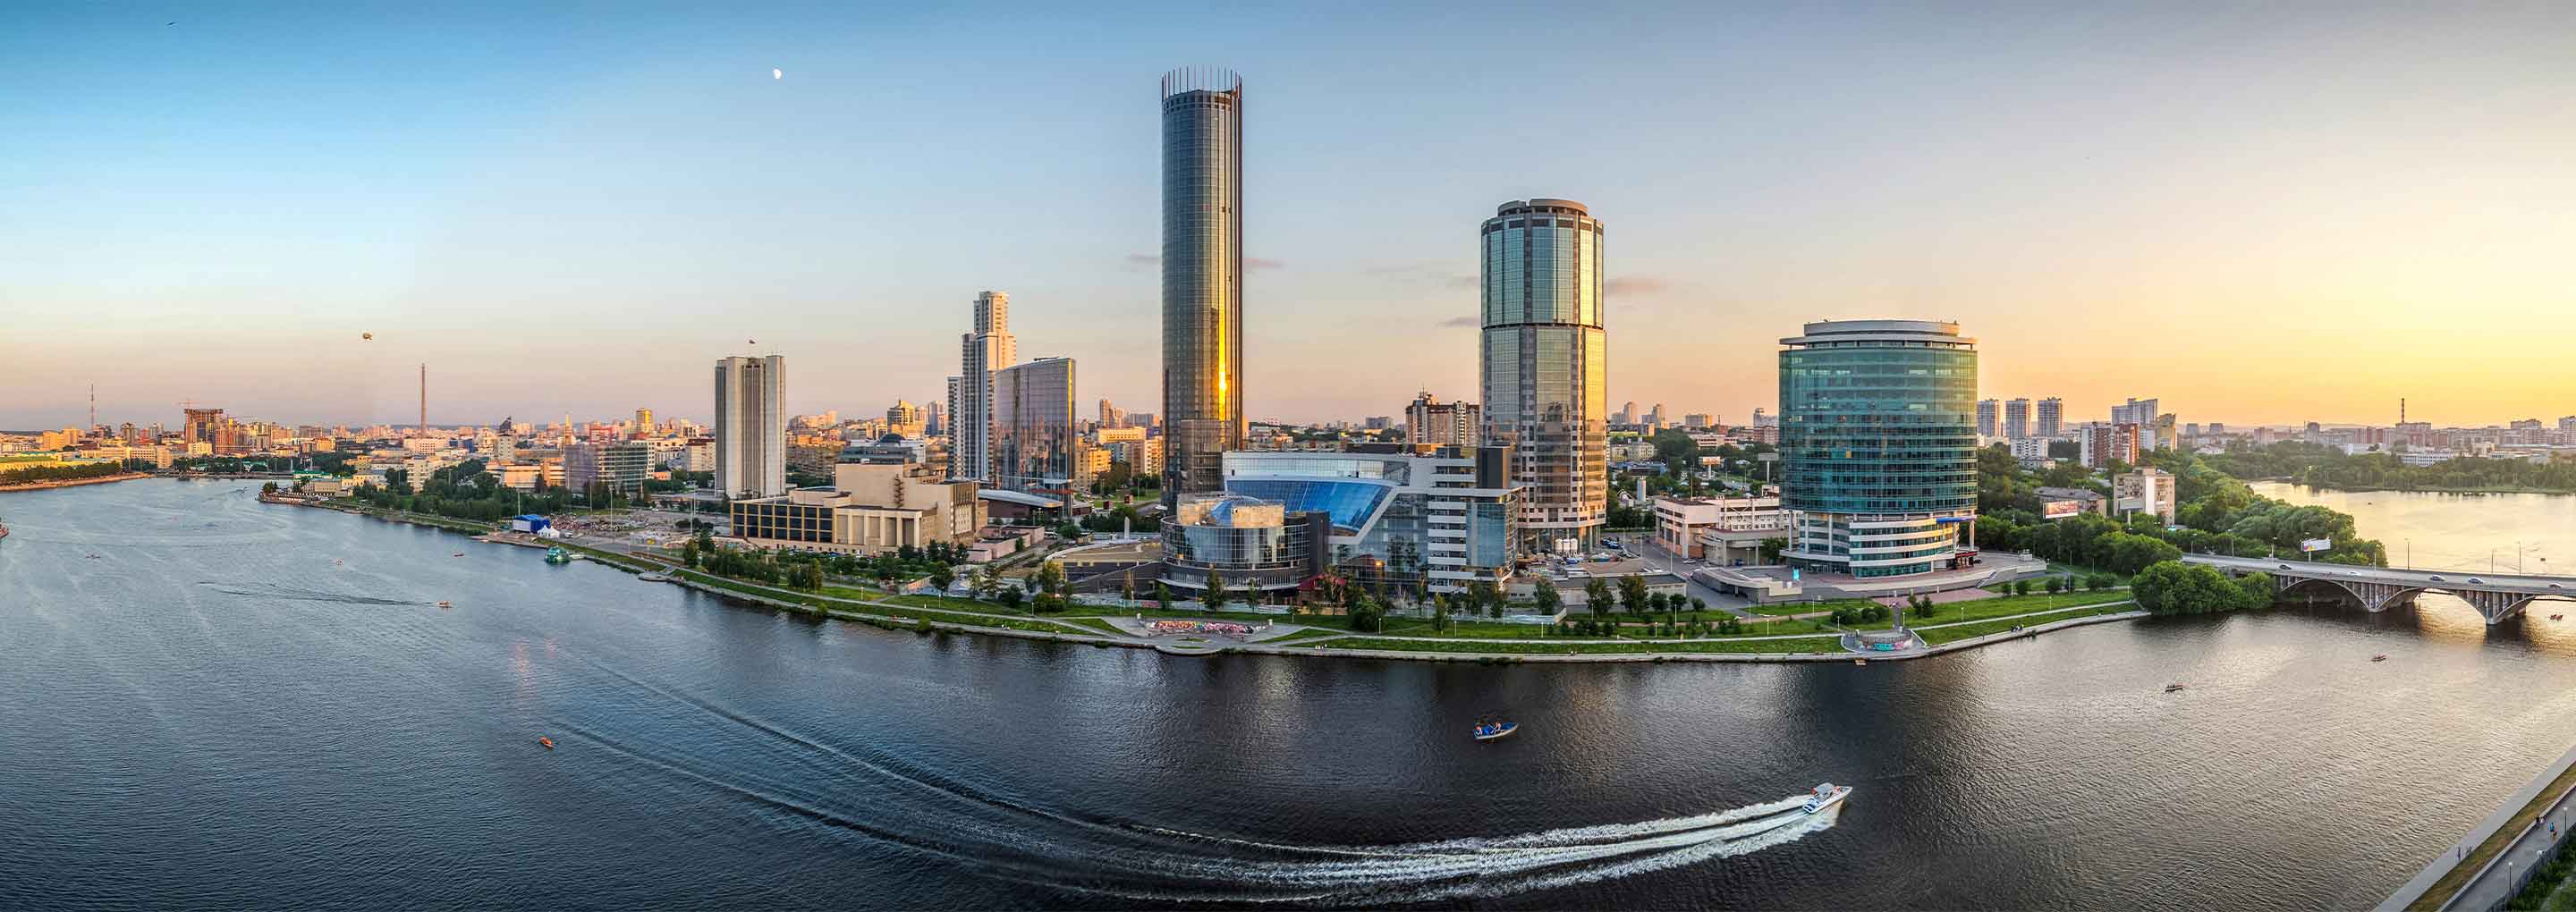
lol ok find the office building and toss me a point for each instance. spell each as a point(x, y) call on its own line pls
point(751, 426)
point(904, 419)
point(1726, 531)
point(1203, 415)
point(1383, 515)
point(871, 508)
point(1430, 422)
point(620, 467)
point(1878, 443)
point(2052, 418)
point(1544, 367)
point(988, 348)
point(2017, 419)
point(1032, 448)
point(1988, 411)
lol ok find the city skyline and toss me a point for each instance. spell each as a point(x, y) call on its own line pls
point(534, 250)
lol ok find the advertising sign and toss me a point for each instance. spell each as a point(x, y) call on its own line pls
point(2317, 544)
point(2060, 509)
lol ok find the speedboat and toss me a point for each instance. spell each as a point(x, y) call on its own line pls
point(1491, 729)
point(1825, 796)
point(447, 604)
point(2382, 657)
point(2169, 688)
point(548, 742)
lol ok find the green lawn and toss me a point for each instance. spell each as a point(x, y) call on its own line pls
point(1094, 624)
point(2001, 606)
point(1308, 634)
point(1801, 644)
point(1939, 635)
point(1782, 609)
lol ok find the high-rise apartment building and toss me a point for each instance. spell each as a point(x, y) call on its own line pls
point(751, 426)
point(1203, 413)
point(2017, 418)
point(643, 422)
point(1034, 437)
point(1429, 421)
point(2101, 443)
point(2052, 417)
point(1878, 444)
point(1987, 412)
point(1627, 415)
point(1544, 366)
point(2137, 411)
point(988, 348)
point(1112, 416)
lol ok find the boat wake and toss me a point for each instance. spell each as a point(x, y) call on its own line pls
point(292, 594)
point(898, 804)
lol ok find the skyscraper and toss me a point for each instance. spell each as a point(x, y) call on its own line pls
point(1545, 367)
point(1987, 409)
point(1203, 413)
point(1878, 445)
point(2017, 418)
point(990, 347)
point(643, 422)
point(2052, 417)
point(751, 426)
point(1033, 433)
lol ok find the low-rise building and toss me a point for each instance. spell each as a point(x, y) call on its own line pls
point(869, 509)
point(2147, 490)
point(1727, 530)
point(2060, 503)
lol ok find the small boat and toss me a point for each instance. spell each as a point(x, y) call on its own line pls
point(1825, 796)
point(557, 555)
point(447, 604)
point(548, 742)
point(1491, 728)
point(2382, 657)
point(2169, 688)
point(1860, 661)
point(457, 554)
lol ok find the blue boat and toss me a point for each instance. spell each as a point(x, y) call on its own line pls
point(1490, 729)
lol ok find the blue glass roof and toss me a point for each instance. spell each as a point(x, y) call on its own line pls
point(1349, 501)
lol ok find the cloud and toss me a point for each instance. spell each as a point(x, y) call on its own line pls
point(1469, 320)
point(1635, 285)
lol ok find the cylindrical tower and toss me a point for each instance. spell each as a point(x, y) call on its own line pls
point(1878, 445)
point(1203, 413)
point(1545, 364)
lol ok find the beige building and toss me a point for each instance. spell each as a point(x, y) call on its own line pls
point(1726, 530)
point(867, 510)
point(2148, 490)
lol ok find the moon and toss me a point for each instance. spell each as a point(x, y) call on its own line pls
point(776, 73)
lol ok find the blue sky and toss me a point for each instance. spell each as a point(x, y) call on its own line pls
point(577, 209)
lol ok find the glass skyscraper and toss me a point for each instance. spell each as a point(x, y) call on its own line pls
point(1878, 445)
point(1033, 429)
point(1202, 278)
point(1545, 364)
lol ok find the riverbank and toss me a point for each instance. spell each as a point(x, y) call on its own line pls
point(70, 482)
point(1087, 626)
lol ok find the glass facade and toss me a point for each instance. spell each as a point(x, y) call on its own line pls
point(1203, 413)
point(1033, 425)
point(1545, 366)
point(1395, 518)
point(1878, 444)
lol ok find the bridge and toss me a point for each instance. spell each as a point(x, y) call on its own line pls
point(2496, 595)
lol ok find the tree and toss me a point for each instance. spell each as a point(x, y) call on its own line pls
point(942, 575)
point(1010, 596)
point(1596, 597)
point(1216, 596)
point(1632, 594)
point(690, 554)
point(1549, 602)
point(1698, 606)
point(2055, 585)
point(2097, 581)
point(2173, 587)
point(1162, 595)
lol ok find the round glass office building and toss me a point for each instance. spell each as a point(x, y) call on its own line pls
point(1545, 364)
point(1202, 278)
point(1878, 446)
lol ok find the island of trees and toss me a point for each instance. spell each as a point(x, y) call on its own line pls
point(2316, 465)
point(2215, 514)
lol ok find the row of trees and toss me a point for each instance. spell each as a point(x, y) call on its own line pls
point(2174, 587)
point(462, 491)
point(1632, 597)
point(33, 474)
point(2330, 467)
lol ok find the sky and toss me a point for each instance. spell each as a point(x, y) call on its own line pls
point(2260, 214)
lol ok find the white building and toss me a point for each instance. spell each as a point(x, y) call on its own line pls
point(751, 426)
point(1726, 530)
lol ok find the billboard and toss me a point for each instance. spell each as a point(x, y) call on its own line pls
point(2060, 509)
point(2317, 544)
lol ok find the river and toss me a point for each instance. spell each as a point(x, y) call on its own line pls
point(2455, 531)
point(210, 702)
